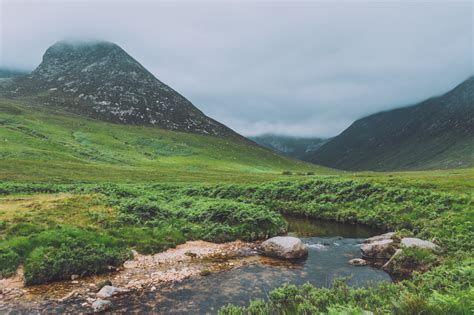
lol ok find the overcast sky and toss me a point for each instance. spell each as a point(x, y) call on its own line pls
point(295, 68)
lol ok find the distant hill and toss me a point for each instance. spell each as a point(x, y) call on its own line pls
point(100, 80)
point(435, 134)
point(295, 147)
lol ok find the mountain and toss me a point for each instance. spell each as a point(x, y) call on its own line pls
point(100, 80)
point(295, 147)
point(435, 134)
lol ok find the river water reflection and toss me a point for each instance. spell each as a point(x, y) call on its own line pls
point(330, 244)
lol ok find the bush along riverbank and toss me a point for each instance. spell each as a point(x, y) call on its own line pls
point(113, 219)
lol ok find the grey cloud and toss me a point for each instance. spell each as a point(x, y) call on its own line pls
point(301, 68)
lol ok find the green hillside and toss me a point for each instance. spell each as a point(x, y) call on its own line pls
point(38, 144)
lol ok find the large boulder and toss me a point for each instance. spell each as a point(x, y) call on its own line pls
point(383, 249)
point(286, 247)
point(419, 243)
point(109, 291)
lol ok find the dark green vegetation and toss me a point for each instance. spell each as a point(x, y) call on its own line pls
point(153, 217)
point(38, 144)
point(91, 227)
point(435, 134)
point(295, 147)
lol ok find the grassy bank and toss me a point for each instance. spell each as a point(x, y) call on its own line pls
point(151, 218)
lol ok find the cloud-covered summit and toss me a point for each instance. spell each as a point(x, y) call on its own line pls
point(297, 68)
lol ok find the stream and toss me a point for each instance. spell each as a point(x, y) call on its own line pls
point(331, 245)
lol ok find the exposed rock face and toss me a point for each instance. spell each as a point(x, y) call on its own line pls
point(383, 249)
point(101, 80)
point(109, 291)
point(419, 243)
point(101, 306)
point(285, 247)
point(392, 249)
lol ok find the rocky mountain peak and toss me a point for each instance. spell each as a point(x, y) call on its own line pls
point(101, 80)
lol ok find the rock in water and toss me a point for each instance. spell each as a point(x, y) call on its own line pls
point(358, 262)
point(378, 250)
point(109, 291)
point(285, 247)
point(419, 243)
point(101, 306)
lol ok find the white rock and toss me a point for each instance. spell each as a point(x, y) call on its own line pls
point(419, 243)
point(286, 247)
point(358, 262)
point(109, 291)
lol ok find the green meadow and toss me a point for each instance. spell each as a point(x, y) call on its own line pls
point(38, 144)
point(76, 195)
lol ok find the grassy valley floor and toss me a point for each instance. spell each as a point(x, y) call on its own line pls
point(77, 195)
point(56, 230)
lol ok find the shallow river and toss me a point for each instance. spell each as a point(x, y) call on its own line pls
point(331, 245)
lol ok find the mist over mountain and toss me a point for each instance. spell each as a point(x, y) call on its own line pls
point(6, 73)
point(295, 147)
point(100, 80)
point(435, 134)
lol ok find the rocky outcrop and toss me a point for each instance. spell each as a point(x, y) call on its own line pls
point(285, 247)
point(395, 254)
point(100, 80)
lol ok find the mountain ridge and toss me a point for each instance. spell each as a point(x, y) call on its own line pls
point(101, 80)
point(436, 133)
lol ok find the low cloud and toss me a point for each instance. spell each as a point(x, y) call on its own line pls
point(297, 68)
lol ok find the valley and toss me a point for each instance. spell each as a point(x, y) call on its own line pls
point(118, 194)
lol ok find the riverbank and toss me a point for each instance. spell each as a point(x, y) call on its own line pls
point(142, 273)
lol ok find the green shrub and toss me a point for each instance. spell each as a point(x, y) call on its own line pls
point(58, 253)
point(9, 261)
point(150, 240)
point(23, 229)
point(144, 210)
point(412, 259)
point(46, 264)
point(224, 220)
